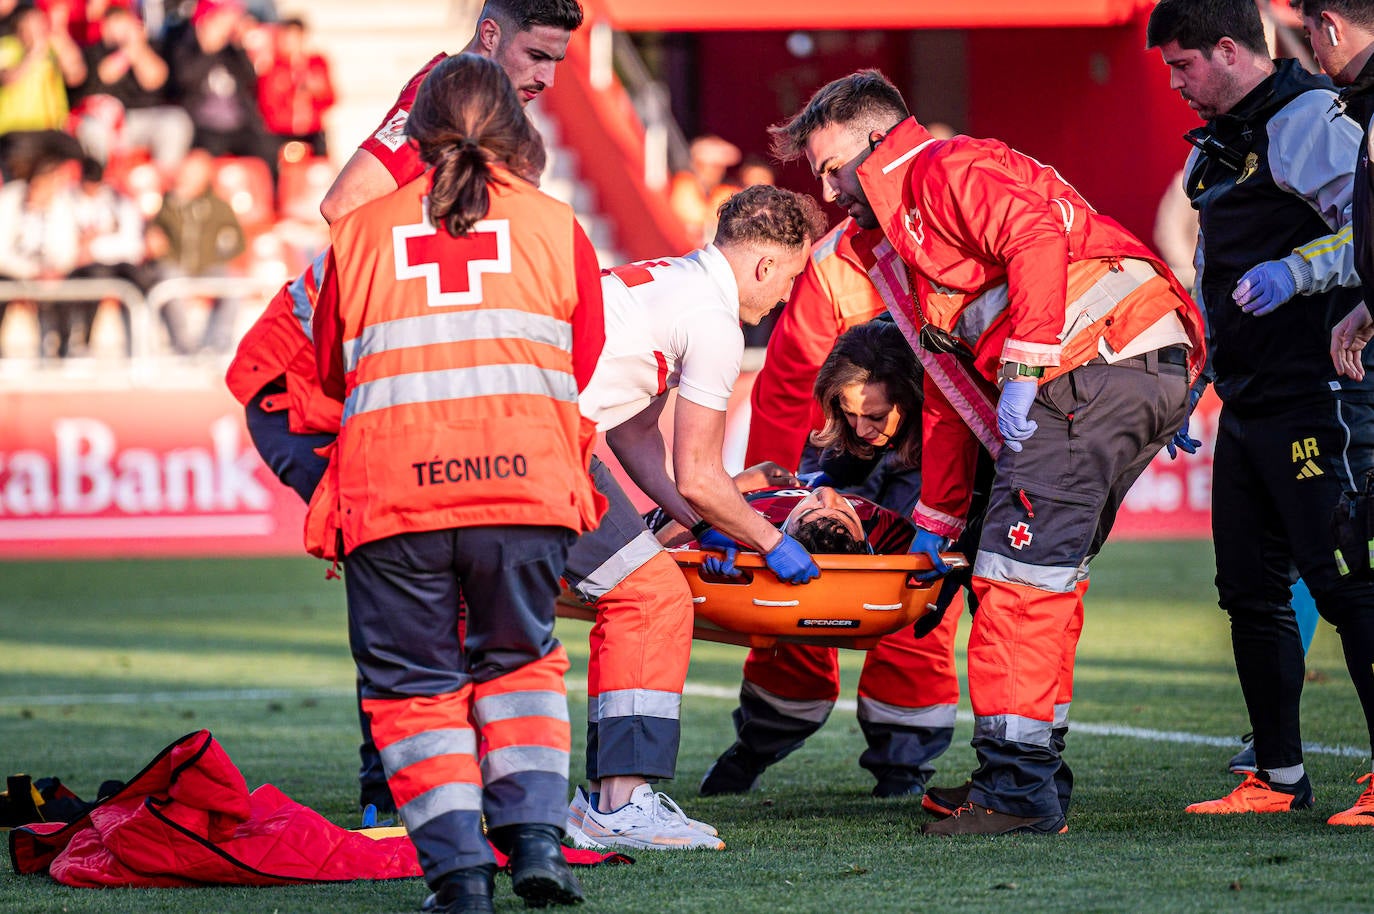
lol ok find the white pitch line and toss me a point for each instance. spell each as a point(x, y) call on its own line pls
point(696, 691)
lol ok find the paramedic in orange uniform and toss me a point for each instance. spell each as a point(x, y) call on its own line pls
point(458, 319)
point(1009, 278)
point(273, 373)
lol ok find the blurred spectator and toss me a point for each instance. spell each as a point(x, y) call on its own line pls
point(126, 79)
point(111, 239)
point(37, 64)
point(1176, 227)
point(697, 194)
point(196, 233)
point(755, 170)
point(39, 239)
point(295, 90)
point(9, 16)
point(213, 79)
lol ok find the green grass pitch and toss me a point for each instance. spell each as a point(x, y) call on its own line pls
point(104, 663)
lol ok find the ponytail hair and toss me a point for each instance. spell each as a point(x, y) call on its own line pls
point(466, 119)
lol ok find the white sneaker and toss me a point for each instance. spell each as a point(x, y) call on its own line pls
point(650, 821)
point(577, 812)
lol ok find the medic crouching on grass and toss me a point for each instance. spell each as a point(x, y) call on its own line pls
point(1005, 276)
point(430, 360)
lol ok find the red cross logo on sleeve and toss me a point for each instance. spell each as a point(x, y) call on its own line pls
point(451, 267)
point(1020, 535)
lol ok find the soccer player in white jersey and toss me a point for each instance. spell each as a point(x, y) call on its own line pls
point(676, 323)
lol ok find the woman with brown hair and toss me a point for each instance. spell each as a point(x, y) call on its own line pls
point(458, 319)
point(869, 389)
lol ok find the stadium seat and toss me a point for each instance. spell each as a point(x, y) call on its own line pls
point(301, 186)
point(141, 181)
point(246, 184)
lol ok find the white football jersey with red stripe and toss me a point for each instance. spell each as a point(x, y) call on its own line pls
point(669, 323)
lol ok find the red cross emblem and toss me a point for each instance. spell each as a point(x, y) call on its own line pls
point(451, 267)
point(1020, 535)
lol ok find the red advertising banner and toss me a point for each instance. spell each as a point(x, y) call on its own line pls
point(99, 474)
point(114, 473)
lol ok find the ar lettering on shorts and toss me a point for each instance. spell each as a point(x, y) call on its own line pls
point(1304, 449)
point(469, 469)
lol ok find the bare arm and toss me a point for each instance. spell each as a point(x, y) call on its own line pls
point(362, 180)
point(638, 444)
point(698, 437)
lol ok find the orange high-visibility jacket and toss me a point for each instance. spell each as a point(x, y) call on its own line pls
point(997, 245)
point(459, 361)
point(277, 345)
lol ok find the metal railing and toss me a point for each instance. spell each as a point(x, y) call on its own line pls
point(665, 146)
point(145, 356)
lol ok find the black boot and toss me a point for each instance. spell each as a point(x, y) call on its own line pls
point(539, 873)
point(465, 891)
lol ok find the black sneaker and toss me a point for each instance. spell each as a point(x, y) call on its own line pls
point(898, 786)
point(1244, 760)
point(736, 771)
point(972, 819)
point(943, 801)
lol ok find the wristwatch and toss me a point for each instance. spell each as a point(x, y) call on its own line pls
point(1014, 370)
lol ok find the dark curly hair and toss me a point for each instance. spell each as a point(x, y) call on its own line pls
point(871, 353)
point(467, 118)
point(827, 536)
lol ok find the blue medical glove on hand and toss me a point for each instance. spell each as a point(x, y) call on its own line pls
point(1265, 287)
point(931, 545)
point(814, 480)
point(724, 566)
point(1013, 411)
point(790, 561)
point(1182, 440)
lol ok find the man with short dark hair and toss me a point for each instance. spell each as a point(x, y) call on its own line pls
point(1271, 179)
point(996, 269)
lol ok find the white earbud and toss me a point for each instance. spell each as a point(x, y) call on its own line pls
point(1331, 33)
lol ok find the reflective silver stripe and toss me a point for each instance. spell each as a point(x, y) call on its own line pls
point(1104, 295)
point(301, 305)
point(427, 745)
point(458, 384)
point(1061, 715)
point(1101, 297)
point(1012, 728)
point(457, 327)
point(977, 316)
point(502, 763)
point(512, 705)
point(996, 567)
point(816, 711)
point(880, 712)
point(445, 798)
point(639, 703)
point(627, 559)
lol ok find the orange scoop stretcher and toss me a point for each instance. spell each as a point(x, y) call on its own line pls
point(856, 601)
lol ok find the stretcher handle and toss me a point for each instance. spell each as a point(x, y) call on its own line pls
point(955, 561)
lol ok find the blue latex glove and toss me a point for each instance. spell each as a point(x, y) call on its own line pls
point(1264, 288)
point(1182, 440)
point(814, 480)
point(790, 561)
point(1013, 411)
point(715, 564)
point(931, 544)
